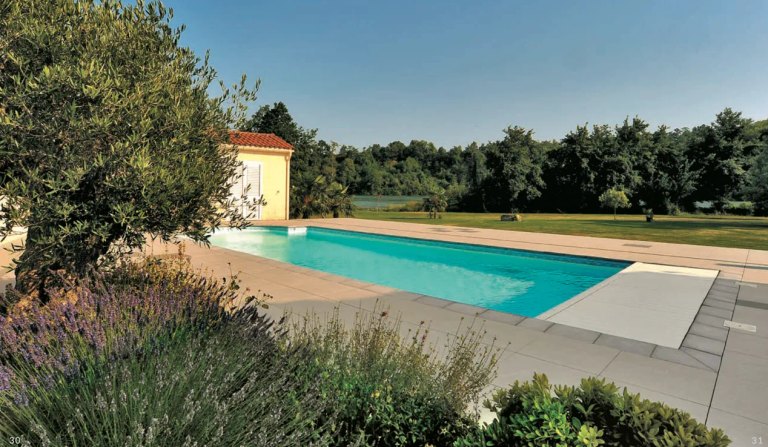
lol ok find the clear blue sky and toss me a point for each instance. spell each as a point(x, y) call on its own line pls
point(453, 72)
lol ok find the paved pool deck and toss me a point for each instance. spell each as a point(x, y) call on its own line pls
point(732, 394)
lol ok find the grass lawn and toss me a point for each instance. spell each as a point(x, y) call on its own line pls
point(720, 231)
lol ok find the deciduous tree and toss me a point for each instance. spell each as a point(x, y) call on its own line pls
point(515, 165)
point(614, 198)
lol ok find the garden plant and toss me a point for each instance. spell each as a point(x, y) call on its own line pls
point(614, 198)
point(595, 413)
point(397, 387)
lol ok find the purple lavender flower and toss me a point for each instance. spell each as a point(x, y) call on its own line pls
point(20, 397)
point(112, 319)
point(6, 375)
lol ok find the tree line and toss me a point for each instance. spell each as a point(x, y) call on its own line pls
point(663, 169)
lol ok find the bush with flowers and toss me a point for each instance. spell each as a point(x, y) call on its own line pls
point(395, 389)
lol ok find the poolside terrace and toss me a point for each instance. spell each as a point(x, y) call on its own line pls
point(719, 374)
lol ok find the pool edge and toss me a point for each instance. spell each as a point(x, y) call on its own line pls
point(624, 263)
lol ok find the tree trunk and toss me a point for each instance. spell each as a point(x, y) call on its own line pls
point(35, 277)
point(29, 280)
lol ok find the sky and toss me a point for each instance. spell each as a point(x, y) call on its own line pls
point(454, 72)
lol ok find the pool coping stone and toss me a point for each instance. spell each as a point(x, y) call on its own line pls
point(702, 347)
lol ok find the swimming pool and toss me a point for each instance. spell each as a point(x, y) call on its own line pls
point(520, 282)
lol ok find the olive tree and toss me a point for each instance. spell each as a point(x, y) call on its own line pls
point(107, 134)
point(614, 198)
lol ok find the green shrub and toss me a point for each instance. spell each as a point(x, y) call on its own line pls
point(436, 203)
point(411, 206)
point(228, 385)
point(740, 209)
point(398, 391)
point(595, 413)
point(456, 194)
point(673, 209)
point(317, 196)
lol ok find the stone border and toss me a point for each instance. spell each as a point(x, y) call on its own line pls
point(702, 346)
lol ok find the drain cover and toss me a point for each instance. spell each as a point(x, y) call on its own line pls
point(742, 326)
point(746, 284)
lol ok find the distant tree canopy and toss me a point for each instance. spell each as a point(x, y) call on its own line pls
point(662, 169)
point(757, 178)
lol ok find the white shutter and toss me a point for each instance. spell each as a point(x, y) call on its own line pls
point(253, 173)
point(254, 179)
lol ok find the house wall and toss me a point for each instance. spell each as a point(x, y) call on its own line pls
point(274, 181)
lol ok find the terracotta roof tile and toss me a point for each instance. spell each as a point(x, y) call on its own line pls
point(257, 139)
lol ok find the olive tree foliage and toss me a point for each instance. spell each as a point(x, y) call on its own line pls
point(108, 134)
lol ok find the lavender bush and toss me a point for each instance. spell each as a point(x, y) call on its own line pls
point(226, 385)
point(102, 318)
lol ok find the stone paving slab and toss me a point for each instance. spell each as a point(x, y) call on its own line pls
point(711, 361)
point(741, 377)
point(757, 294)
point(743, 432)
point(677, 356)
point(755, 317)
point(718, 304)
point(715, 333)
point(704, 344)
point(716, 312)
point(503, 317)
point(573, 332)
point(571, 353)
point(625, 344)
point(747, 343)
point(687, 383)
point(432, 301)
point(535, 324)
point(467, 309)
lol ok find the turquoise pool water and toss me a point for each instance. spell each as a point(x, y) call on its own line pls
point(520, 282)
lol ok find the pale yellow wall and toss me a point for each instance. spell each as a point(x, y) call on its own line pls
point(274, 185)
